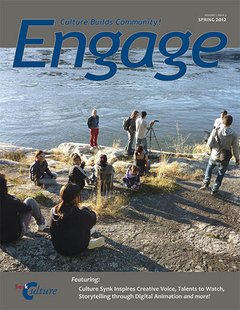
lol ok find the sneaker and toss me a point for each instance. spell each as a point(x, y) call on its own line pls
point(42, 227)
point(96, 243)
point(213, 193)
point(204, 186)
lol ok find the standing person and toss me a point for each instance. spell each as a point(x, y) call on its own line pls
point(219, 121)
point(70, 226)
point(77, 174)
point(141, 131)
point(16, 215)
point(130, 126)
point(39, 171)
point(222, 141)
point(93, 125)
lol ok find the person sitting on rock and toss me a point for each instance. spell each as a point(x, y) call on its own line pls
point(132, 178)
point(70, 226)
point(141, 160)
point(77, 174)
point(104, 174)
point(16, 215)
point(39, 171)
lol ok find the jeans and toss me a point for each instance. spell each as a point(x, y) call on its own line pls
point(142, 141)
point(93, 136)
point(222, 168)
point(129, 146)
point(47, 180)
point(35, 213)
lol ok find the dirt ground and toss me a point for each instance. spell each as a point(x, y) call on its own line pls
point(187, 230)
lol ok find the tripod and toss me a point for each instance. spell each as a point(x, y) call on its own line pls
point(152, 134)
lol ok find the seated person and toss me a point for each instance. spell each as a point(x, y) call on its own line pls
point(16, 215)
point(77, 175)
point(39, 171)
point(104, 174)
point(132, 178)
point(71, 226)
point(141, 160)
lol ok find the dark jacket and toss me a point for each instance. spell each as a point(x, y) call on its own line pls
point(71, 234)
point(77, 177)
point(93, 122)
point(10, 223)
point(38, 170)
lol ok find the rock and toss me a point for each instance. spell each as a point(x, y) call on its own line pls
point(8, 162)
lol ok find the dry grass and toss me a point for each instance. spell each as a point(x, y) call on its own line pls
point(156, 184)
point(200, 148)
point(176, 170)
point(116, 144)
point(15, 156)
point(108, 205)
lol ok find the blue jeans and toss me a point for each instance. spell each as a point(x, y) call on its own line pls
point(143, 142)
point(222, 167)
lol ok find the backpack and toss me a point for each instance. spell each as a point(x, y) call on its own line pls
point(126, 123)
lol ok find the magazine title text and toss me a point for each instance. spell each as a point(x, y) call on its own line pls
point(102, 57)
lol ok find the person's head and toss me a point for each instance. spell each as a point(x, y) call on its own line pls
point(76, 159)
point(134, 114)
point(227, 120)
point(134, 169)
point(223, 113)
point(70, 196)
point(143, 114)
point(94, 112)
point(139, 150)
point(40, 156)
point(103, 160)
point(3, 185)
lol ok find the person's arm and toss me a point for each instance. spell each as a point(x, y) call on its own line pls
point(89, 122)
point(90, 217)
point(47, 170)
point(212, 139)
point(97, 120)
point(235, 147)
point(35, 175)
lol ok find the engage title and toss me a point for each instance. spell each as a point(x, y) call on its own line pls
point(102, 57)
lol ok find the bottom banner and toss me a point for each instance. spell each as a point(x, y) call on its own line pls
point(120, 291)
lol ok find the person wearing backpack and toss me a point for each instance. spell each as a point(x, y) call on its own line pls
point(129, 124)
point(40, 174)
point(223, 141)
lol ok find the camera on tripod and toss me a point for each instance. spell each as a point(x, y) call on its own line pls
point(154, 121)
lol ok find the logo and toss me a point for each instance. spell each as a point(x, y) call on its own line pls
point(29, 290)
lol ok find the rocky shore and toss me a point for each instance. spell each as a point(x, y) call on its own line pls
point(183, 230)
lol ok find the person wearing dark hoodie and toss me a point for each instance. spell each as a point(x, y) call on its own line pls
point(15, 215)
point(70, 226)
point(223, 141)
point(77, 174)
point(104, 174)
point(40, 174)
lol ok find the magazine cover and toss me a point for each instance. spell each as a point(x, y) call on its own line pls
point(119, 154)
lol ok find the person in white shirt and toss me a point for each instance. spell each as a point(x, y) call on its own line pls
point(141, 131)
point(219, 121)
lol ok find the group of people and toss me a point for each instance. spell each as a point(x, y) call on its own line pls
point(70, 226)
